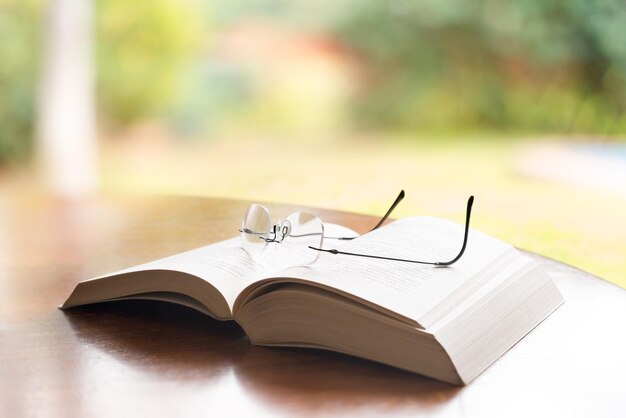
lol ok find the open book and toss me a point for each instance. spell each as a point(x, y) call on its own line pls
point(447, 323)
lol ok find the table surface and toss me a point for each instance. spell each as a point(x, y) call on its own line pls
point(140, 357)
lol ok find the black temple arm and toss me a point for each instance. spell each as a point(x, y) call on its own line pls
point(393, 206)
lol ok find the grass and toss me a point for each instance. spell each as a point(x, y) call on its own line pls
point(580, 226)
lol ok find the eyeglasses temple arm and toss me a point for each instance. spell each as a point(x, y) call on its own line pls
point(334, 251)
point(393, 206)
point(468, 214)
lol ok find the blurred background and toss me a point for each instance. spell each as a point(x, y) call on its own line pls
point(338, 105)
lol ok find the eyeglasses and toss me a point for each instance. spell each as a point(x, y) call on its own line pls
point(304, 232)
point(300, 231)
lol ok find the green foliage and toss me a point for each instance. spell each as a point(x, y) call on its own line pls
point(555, 66)
point(140, 50)
point(19, 52)
point(529, 66)
point(142, 46)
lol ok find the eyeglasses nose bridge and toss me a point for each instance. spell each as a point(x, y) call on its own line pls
point(285, 229)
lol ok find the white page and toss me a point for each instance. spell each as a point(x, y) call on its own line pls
point(230, 268)
point(409, 289)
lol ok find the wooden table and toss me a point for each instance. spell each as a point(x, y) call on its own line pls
point(140, 357)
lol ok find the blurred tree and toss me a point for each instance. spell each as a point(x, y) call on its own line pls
point(533, 66)
point(20, 34)
point(142, 46)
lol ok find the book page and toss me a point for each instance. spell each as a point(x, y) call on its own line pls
point(230, 268)
point(411, 290)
